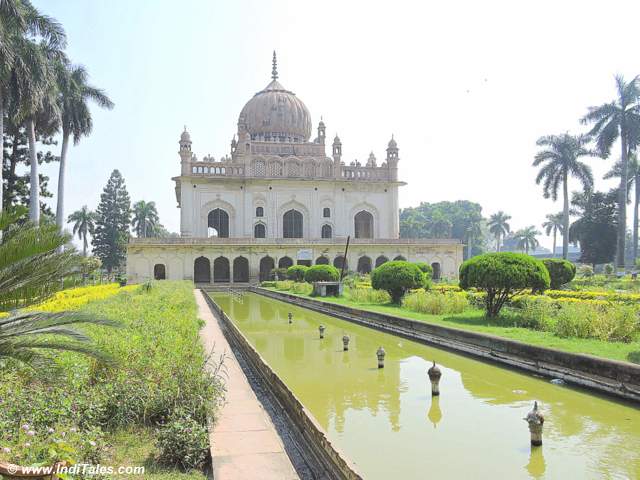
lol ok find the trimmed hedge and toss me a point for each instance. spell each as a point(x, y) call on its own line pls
point(321, 273)
point(426, 269)
point(560, 271)
point(296, 272)
point(503, 275)
point(397, 278)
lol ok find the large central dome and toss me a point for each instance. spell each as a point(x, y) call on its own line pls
point(276, 114)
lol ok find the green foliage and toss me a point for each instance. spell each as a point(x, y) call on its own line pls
point(426, 269)
point(112, 224)
point(279, 273)
point(596, 227)
point(560, 271)
point(322, 273)
point(297, 272)
point(183, 442)
point(145, 222)
point(397, 277)
point(501, 276)
point(284, 284)
point(368, 295)
point(268, 284)
point(608, 269)
point(586, 271)
point(302, 288)
point(436, 303)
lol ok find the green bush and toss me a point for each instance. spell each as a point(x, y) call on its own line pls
point(560, 271)
point(502, 275)
point(322, 273)
point(586, 271)
point(183, 442)
point(296, 272)
point(426, 269)
point(268, 284)
point(302, 288)
point(284, 285)
point(608, 269)
point(279, 273)
point(436, 303)
point(397, 278)
point(368, 295)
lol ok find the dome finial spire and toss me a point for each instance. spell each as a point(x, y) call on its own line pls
point(274, 70)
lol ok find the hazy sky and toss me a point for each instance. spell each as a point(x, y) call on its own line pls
point(466, 87)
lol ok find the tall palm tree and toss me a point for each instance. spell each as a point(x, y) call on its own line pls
point(526, 239)
point(19, 19)
point(84, 224)
point(561, 158)
point(633, 180)
point(618, 119)
point(31, 267)
point(145, 218)
point(76, 121)
point(499, 226)
point(555, 225)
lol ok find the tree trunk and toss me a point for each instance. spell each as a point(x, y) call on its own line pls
point(554, 242)
point(497, 242)
point(1, 147)
point(34, 191)
point(635, 216)
point(61, 176)
point(84, 245)
point(565, 216)
point(622, 201)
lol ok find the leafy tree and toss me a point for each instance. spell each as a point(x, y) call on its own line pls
point(619, 119)
point(633, 180)
point(297, 272)
point(596, 226)
point(499, 226)
point(19, 21)
point(76, 121)
point(502, 275)
point(426, 269)
point(554, 225)
point(526, 239)
point(322, 273)
point(561, 159)
point(397, 278)
point(561, 271)
point(84, 224)
point(112, 223)
point(145, 219)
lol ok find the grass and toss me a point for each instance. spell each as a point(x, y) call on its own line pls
point(474, 320)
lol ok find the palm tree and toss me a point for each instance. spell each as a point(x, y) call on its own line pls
point(499, 226)
point(555, 225)
point(145, 218)
point(19, 19)
point(618, 119)
point(84, 225)
point(526, 239)
point(561, 159)
point(75, 92)
point(633, 180)
point(31, 268)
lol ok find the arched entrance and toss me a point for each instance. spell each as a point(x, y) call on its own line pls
point(400, 258)
point(240, 270)
point(338, 261)
point(326, 232)
point(292, 224)
point(259, 231)
point(202, 270)
point(363, 224)
point(221, 273)
point(436, 270)
point(364, 265)
point(322, 260)
point(159, 271)
point(266, 266)
point(285, 262)
point(218, 219)
point(380, 260)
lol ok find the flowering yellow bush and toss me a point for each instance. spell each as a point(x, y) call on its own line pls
point(587, 295)
point(443, 288)
point(74, 298)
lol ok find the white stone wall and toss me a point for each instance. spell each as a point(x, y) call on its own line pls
point(239, 198)
point(179, 259)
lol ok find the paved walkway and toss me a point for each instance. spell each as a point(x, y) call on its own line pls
point(244, 442)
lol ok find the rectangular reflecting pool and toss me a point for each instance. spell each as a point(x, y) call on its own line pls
point(387, 423)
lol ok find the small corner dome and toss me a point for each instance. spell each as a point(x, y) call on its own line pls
point(336, 140)
point(392, 143)
point(185, 137)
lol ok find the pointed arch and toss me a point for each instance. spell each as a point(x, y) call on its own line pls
point(202, 270)
point(364, 264)
point(221, 270)
point(240, 270)
point(380, 260)
point(267, 265)
point(363, 224)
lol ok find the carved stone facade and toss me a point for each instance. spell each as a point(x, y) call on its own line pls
point(277, 195)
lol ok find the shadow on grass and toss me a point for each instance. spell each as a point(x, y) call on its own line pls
point(634, 357)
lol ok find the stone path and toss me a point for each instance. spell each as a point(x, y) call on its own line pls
point(244, 442)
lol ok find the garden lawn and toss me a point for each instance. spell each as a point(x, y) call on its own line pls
point(118, 414)
point(474, 320)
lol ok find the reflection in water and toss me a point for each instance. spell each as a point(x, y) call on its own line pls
point(585, 436)
point(536, 466)
point(435, 413)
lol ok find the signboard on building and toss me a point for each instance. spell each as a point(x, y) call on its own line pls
point(305, 254)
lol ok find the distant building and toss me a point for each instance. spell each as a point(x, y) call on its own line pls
point(277, 199)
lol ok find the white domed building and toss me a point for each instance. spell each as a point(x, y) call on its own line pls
point(277, 200)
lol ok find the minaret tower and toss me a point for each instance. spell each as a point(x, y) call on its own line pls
point(337, 155)
point(322, 132)
point(392, 159)
point(185, 152)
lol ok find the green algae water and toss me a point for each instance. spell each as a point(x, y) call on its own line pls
point(387, 423)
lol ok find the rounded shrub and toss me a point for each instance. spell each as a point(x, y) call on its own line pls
point(321, 273)
point(560, 271)
point(426, 269)
point(397, 277)
point(296, 272)
point(502, 275)
point(586, 271)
